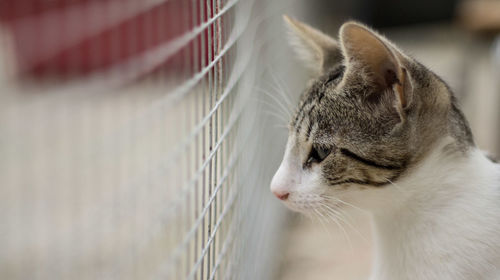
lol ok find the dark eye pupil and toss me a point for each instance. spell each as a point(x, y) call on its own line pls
point(318, 154)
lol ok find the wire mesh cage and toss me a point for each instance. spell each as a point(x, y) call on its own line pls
point(132, 142)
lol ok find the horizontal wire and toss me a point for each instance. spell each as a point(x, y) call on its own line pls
point(185, 190)
point(225, 247)
point(184, 89)
point(169, 161)
point(227, 206)
point(151, 59)
point(232, 122)
point(195, 226)
point(190, 234)
point(234, 118)
point(180, 91)
point(198, 128)
point(158, 226)
point(231, 264)
point(207, 206)
point(115, 77)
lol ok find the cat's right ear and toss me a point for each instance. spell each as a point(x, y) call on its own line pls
point(319, 51)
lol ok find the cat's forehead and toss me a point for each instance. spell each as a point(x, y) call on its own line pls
point(335, 108)
point(315, 97)
point(321, 109)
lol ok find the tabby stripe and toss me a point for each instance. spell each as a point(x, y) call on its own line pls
point(367, 161)
point(361, 182)
point(299, 125)
point(308, 133)
point(368, 182)
point(301, 113)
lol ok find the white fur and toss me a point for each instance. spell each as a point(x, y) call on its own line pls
point(304, 186)
point(439, 221)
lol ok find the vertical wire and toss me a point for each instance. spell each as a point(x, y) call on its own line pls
point(234, 182)
point(212, 78)
point(200, 137)
point(230, 147)
point(194, 148)
point(185, 163)
point(178, 76)
point(193, 57)
point(173, 171)
point(199, 65)
point(184, 12)
point(164, 29)
point(222, 235)
point(194, 116)
point(225, 118)
point(134, 48)
point(213, 140)
point(218, 127)
point(206, 134)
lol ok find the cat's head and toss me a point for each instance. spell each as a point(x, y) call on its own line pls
point(369, 116)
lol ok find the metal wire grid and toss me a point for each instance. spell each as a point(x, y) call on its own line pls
point(147, 161)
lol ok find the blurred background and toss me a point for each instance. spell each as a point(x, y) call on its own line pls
point(138, 138)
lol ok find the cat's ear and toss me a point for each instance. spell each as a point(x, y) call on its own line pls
point(369, 53)
point(318, 50)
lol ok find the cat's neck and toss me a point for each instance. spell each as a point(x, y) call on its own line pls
point(442, 221)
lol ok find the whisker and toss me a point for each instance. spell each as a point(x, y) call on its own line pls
point(280, 92)
point(277, 111)
point(272, 96)
point(346, 203)
point(281, 89)
point(275, 99)
point(274, 114)
point(396, 186)
point(335, 220)
point(322, 224)
point(344, 218)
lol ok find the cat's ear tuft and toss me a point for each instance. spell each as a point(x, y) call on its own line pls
point(319, 51)
point(371, 54)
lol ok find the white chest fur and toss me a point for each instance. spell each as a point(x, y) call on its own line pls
point(442, 222)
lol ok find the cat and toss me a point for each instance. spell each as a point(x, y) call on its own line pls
point(378, 131)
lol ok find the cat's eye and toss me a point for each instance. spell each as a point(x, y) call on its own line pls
point(337, 74)
point(332, 78)
point(318, 154)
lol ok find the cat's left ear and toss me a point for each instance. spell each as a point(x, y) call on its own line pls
point(369, 53)
point(319, 51)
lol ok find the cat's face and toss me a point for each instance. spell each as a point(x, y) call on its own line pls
point(359, 125)
point(337, 143)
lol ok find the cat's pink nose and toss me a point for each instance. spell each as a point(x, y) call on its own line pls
point(281, 195)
